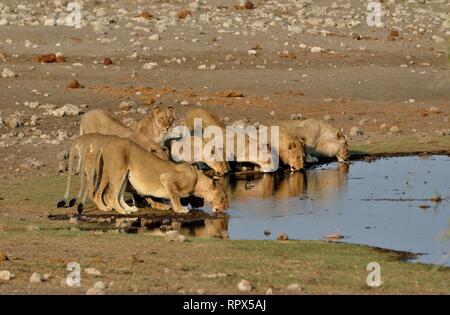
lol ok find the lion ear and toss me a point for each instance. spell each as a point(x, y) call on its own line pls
point(156, 108)
point(302, 140)
point(292, 145)
point(171, 108)
point(340, 135)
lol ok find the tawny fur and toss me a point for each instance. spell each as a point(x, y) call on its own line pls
point(103, 122)
point(322, 138)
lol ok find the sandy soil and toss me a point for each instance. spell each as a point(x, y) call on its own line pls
point(363, 77)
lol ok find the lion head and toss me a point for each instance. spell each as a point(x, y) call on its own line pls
point(164, 117)
point(296, 154)
point(342, 154)
point(217, 196)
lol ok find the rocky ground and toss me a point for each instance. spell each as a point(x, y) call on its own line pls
point(387, 87)
point(276, 59)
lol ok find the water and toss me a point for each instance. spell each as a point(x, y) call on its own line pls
point(385, 203)
point(359, 201)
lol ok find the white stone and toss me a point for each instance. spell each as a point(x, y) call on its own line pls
point(355, 131)
point(6, 73)
point(149, 65)
point(66, 110)
point(36, 278)
point(92, 272)
point(6, 275)
point(244, 286)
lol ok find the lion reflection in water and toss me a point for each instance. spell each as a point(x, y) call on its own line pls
point(208, 228)
point(321, 187)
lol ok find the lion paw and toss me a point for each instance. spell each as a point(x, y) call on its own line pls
point(134, 209)
point(181, 210)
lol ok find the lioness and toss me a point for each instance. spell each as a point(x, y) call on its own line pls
point(86, 148)
point(103, 122)
point(208, 118)
point(266, 162)
point(157, 124)
point(322, 139)
point(291, 149)
point(219, 164)
point(125, 162)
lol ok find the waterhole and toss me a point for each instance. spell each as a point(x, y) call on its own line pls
point(397, 203)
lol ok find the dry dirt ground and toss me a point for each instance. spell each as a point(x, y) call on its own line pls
point(392, 83)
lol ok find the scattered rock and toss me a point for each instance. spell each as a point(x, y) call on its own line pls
point(32, 228)
point(6, 275)
point(3, 256)
point(394, 129)
point(149, 65)
point(125, 106)
point(356, 131)
point(394, 33)
point(107, 61)
point(363, 121)
point(316, 50)
point(248, 5)
point(294, 287)
point(434, 109)
point(92, 272)
point(334, 236)
point(33, 120)
point(146, 15)
point(296, 116)
point(282, 237)
point(62, 155)
point(214, 275)
point(66, 110)
point(244, 286)
point(74, 220)
point(14, 122)
point(97, 289)
point(6, 73)
point(184, 14)
point(230, 93)
point(74, 84)
point(36, 278)
point(172, 236)
point(269, 291)
point(133, 259)
point(51, 58)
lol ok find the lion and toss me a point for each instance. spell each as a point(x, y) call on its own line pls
point(126, 162)
point(103, 122)
point(322, 139)
point(291, 149)
point(86, 148)
point(219, 165)
point(157, 124)
point(208, 118)
point(265, 162)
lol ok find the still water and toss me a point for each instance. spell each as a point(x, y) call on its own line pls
point(381, 203)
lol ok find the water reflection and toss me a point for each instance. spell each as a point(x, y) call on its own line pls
point(319, 187)
point(379, 203)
